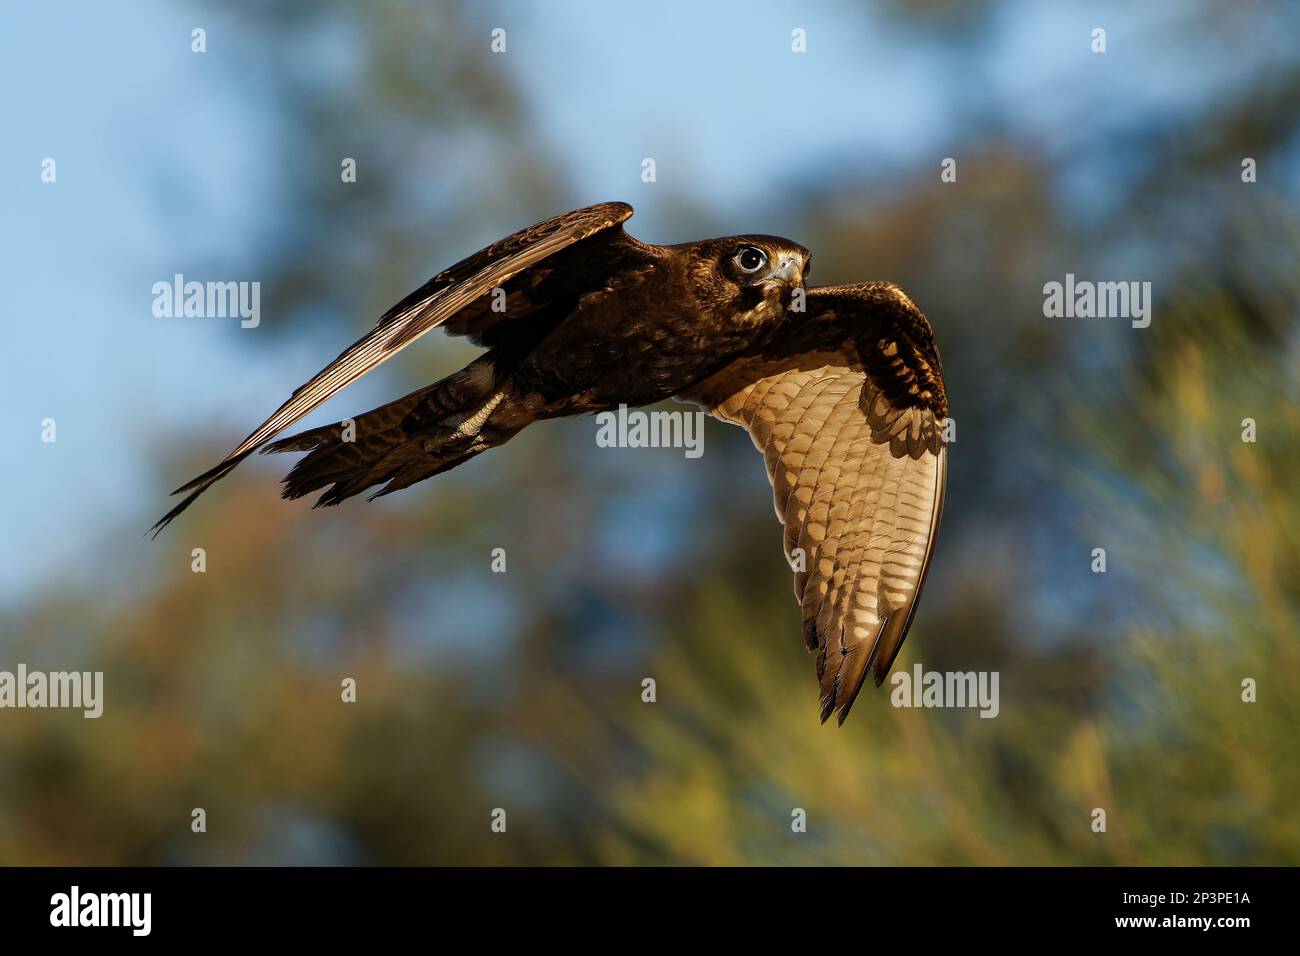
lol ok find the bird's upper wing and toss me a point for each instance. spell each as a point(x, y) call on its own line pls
point(437, 301)
point(847, 404)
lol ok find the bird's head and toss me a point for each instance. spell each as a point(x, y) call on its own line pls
point(753, 278)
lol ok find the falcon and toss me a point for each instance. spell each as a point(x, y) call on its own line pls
point(840, 388)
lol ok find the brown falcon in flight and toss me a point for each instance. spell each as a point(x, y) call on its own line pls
point(840, 388)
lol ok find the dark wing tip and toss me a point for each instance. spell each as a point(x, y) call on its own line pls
point(847, 700)
point(828, 708)
point(829, 705)
point(166, 519)
point(209, 476)
point(196, 487)
point(841, 690)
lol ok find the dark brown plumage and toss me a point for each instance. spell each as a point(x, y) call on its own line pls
point(841, 389)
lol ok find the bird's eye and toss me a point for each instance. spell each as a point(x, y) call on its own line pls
point(751, 259)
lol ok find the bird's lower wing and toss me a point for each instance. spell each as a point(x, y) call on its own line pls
point(858, 468)
point(441, 298)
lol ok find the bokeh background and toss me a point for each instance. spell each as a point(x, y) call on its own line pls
point(522, 690)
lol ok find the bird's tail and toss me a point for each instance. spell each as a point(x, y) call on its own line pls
point(430, 431)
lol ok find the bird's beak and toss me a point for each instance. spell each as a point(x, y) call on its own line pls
point(790, 270)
